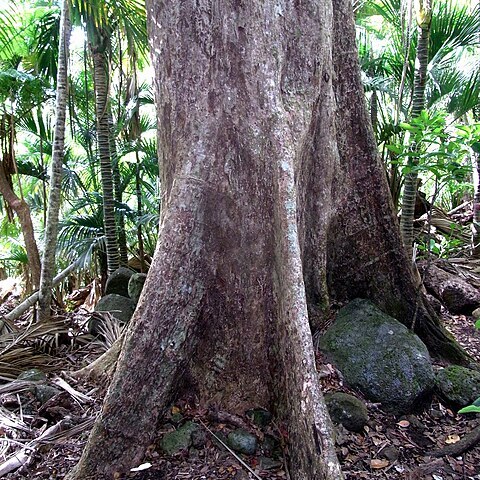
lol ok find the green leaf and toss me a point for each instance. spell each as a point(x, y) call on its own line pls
point(477, 324)
point(476, 147)
point(470, 409)
point(410, 128)
point(395, 149)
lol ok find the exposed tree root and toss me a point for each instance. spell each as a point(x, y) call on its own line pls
point(456, 449)
point(104, 366)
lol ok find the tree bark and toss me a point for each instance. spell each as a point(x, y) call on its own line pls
point(54, 201)
point(22, 210)
point(268, 162)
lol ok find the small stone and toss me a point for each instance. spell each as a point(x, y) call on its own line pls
point(347, 410)
point(267, 463)
point(43, 393)
point(199, 438)
point(270, 445)
point(259, 416)
point(33, 375)
point(436, 414)
point(390, 453)
point(458, 386)
point(178, 440)
point(476, 314)
point(120, 307)
point(242, 441)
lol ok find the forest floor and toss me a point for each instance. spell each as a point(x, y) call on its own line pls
point(48, 439)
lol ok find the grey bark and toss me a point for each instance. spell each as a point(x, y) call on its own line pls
point(54, 201)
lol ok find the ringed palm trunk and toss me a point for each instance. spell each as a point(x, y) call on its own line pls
point(117, 187)
point(424, 16)
point(54, 200)
point(101, 85)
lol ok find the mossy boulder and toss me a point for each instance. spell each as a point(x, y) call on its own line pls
point(379, 356)
point(347, 410)
point(117, 282)
point(135, 285)
point(458, 386)
point(178, 440)
point(120, 307)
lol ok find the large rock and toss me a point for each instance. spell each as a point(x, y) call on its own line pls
point(135, 285)
point(458, 386)
point(120, 307)
point(347, 410)
point(178, 440)
point(379, 356)
point(454, 292)
point(117, 282)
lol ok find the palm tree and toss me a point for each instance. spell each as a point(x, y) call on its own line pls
point(388, 55)
point(54, 202)
point(424, 18)
point(102, 19)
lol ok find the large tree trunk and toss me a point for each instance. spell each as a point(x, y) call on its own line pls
point(54, 201)
point(275, 197)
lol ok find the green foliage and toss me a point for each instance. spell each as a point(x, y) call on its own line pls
point(474, 408)
point(444, 151)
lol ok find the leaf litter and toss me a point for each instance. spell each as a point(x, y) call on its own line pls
point(45, 440)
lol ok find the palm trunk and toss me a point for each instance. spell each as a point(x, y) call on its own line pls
point(117, 187)
point(418, 104)
point(101, 79)
point(54, 201)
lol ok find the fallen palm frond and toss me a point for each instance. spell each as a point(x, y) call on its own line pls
point(24, 349)
point(110, 330)
point(446, 225)
point(75, 394)
point(58, 432)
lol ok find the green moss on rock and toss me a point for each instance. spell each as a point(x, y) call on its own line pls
point(178, 440)
point(458, 386)
point(347, 410)
point(379, 356)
